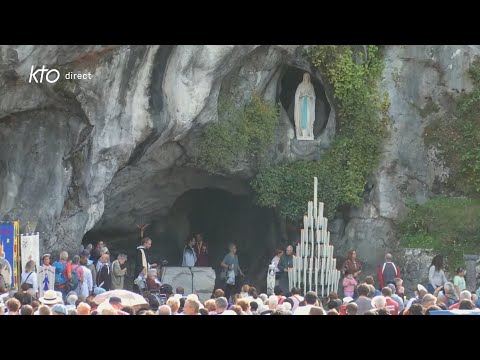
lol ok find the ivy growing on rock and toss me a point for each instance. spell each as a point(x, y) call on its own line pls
point(448, 225)
point(342, 171)
point(241, 134)
point(457, 138)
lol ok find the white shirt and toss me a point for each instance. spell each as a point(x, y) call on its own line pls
point(32, 279)
point(87, 286)
point(189, 257)
point(303, 310)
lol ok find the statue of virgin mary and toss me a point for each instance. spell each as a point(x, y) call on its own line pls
point(305, 109)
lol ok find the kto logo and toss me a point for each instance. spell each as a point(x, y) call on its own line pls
point(51, 75)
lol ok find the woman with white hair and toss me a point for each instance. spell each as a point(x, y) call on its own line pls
point(447, 295)
point(152, 282)
point(119, 270)
point(379, 302)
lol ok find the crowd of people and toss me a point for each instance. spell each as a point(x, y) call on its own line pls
point(69, 285)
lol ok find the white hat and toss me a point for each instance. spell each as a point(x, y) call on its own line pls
point(347, 300)
point(49, 298)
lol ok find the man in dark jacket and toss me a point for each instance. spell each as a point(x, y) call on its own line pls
point(285, 263)
point(104, 276)
point(142, 257)
point(387, 271)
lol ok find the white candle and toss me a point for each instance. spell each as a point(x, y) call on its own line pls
point(320, 210)
point(315, 206)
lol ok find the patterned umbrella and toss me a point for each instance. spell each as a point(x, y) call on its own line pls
point(129, 298)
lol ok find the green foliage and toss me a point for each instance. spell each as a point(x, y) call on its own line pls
point(239, 135)
point(450, 226)
point(458, 139)
point(342, 171)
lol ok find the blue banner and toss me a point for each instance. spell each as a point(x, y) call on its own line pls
point(7, 248)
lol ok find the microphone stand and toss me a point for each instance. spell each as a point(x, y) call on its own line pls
point(190, 267)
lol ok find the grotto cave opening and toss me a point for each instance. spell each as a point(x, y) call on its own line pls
point(222, 217)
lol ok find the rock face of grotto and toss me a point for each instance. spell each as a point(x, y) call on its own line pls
point(91, 159)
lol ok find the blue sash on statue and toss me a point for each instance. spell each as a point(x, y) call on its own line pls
point(304, 112)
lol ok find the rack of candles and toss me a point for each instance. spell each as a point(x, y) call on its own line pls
point(314, 267)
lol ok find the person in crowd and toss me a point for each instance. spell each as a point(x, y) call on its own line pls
point(219, 293)
point(352, 264)
point(379, 302)
point(231, 271)
point(419, 294)
point(152, 282)
point(201, 250)
point(464, 295)
point(436, 275)
point(174, 304)
point(387, 271)
point(119, 271)
point(35, 305)
point(369, 281)
point(428, 300)
point(63, 273)
point(396, 298)
point(244, 291)
point(3, 286)
point(351, 309)
point(26, 310)
point(400, 290)
point(349, 284)
point(275, 261)
point(29, 277)
point(141, 260)
point(210, 306)
point(391, 305)
point(254, 307)
point(296, 298)
point(245, 305)
point(24, 295)
point(447, 295)
point(164, 310)
point(371, 312)
point(191, 307)
point(237, 309)
point(311, 299)
point(44, 310)
point(459, 280)
point(316, 310)
point(104, 250)
point(415, 309)
point(466, 305)
point(89, 264)
point(272, 305)
point(189, 255)
point(96, 252)
point(49, 299)
point(332, 312)
point(83, 309)
point(284, 266)
point(72, 298)
point(363, 302)
point(116, 303)
point(432, 308)
point(221, 305)
point(86, 287)
point(104, 278)
point(13, 305)
point(78, 269)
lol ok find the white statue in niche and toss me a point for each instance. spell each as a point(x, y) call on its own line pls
point(305, 109)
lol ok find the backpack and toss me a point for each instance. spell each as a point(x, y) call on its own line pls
point(60, 269)
point(73, 284)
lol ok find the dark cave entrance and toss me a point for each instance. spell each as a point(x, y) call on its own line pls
point(223, 218)
point(291, 78)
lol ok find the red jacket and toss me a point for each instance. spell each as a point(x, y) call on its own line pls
point(380, 274)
